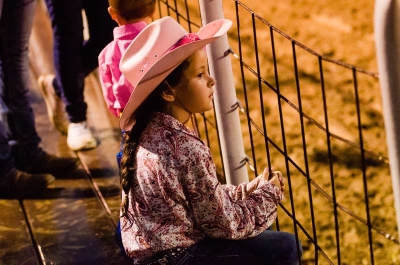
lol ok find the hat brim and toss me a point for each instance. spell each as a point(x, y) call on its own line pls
point(165, 65)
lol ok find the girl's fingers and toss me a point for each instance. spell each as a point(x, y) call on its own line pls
point(280, 178)
point(274, 177)
point(267, 174)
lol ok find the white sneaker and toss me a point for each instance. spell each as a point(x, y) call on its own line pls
point(80, 137)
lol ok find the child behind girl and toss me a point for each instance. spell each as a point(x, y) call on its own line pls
point(174, 210)
point(132, 17)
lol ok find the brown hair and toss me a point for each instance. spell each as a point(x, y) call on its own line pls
point(131, 138)
point(133, 9)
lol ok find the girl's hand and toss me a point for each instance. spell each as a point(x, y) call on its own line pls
point(275, 177)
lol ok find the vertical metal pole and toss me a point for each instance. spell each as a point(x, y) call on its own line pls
point(225, 99)
point(387, 37)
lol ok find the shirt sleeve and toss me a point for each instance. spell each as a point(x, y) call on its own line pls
point(107, 84)
point(229, 211)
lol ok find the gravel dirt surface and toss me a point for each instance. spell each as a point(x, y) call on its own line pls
point(339, 30)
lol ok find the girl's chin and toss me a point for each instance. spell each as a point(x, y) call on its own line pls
point(209, 108)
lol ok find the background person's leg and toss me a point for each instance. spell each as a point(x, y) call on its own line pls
point(100, 28)
point(27, 154)
point(16, 79)
point(67, 25)
point(14, 89)
point(6, 159)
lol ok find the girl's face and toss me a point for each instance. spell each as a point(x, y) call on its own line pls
point(194, 94)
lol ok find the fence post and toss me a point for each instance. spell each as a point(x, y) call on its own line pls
point(225, 99)
point(387, 36)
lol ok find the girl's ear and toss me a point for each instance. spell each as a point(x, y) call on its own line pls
point(168, 95)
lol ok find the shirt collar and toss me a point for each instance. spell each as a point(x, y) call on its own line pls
point(171, 122)
point(126, 30)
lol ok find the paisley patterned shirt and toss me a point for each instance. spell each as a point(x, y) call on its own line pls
point(176, 199)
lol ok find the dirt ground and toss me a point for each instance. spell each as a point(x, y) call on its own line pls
point(340, 30)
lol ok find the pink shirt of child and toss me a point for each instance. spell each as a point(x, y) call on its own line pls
point(116, 89)
point(176, 198)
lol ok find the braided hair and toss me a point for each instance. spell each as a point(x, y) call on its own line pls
point(154, 103)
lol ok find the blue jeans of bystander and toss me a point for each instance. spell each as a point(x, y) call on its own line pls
point(75, 58)
point(16, 18)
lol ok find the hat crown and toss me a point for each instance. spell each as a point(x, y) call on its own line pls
point(148, 46)
point(149, 59)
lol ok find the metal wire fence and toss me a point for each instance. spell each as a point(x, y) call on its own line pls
point(319, 121)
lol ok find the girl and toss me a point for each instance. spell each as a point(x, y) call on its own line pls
point(174, 210)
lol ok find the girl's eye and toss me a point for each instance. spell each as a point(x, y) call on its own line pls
point(200, 75)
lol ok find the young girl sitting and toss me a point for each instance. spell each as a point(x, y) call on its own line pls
point(174, 210)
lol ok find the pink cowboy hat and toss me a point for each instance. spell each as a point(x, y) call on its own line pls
point(155, 53)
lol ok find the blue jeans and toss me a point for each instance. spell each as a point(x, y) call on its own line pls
point(75, 58)
point(16, 20)
point(119, 157)
point(268, 248)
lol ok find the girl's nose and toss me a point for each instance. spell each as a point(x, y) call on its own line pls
point(212, 81)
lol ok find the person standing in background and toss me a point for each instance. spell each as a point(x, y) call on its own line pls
point(25, 169)
point(74, 59)
point(132, 17)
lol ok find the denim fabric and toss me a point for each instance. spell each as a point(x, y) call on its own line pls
point(6, 159)
point(75, 58)
point(176, 256)
point(15, 28)
point(268, 248)
point(119, 157)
